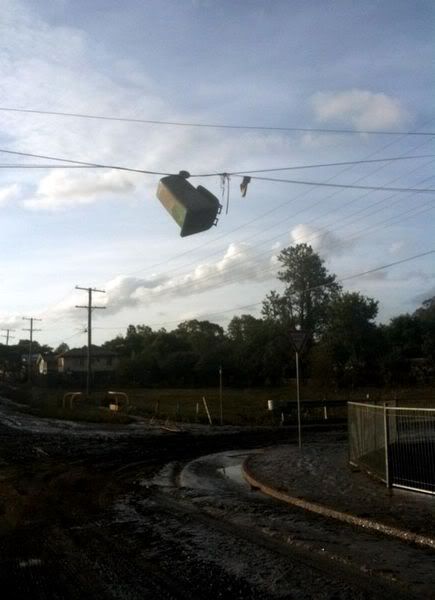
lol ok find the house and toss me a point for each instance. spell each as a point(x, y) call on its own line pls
point(75, 361)
point(46, 364)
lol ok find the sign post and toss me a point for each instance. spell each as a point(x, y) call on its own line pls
point(220, 395)
point(298, 339)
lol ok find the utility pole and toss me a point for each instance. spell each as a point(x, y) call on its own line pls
point(31, 329)
point(220, 395)
point(7, 336)
point(89, 308)
point(298, 339)
point(298, 400)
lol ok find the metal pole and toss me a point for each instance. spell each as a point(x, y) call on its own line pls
point(8, 336)
point(88, 374)
point(89, 308)
point(387, 443)
point(31, 330)
point(298, 401)
point(220, 395)
point(29, 363)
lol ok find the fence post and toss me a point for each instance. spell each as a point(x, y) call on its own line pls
point(387, 443)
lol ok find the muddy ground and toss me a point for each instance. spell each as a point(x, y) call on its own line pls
point(97, 513)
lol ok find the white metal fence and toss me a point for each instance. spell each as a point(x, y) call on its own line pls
point(395, 444)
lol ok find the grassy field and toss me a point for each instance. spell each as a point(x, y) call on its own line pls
point(239, 406)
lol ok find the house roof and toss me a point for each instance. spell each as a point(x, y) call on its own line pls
point(83, 352)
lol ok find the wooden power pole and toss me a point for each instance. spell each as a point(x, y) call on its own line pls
point(7, 335)
point(31, 329)
point(89, 308)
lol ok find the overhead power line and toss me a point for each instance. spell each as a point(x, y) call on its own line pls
point(301, 194)
point(256, 177)
point(216, 174)
point(347, 186)
point(209, 125)
point(340, 279)
point(83, 163)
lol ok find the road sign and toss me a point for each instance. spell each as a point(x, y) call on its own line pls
point(298, 339)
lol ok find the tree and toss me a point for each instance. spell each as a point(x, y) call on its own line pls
point(63, 347)
point(426, 317)
point(351, 338)
point(260, 353)
point(309, 289)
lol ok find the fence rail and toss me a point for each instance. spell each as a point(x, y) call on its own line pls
point(395, 444)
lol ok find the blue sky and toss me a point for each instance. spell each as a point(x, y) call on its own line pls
point(349, 65)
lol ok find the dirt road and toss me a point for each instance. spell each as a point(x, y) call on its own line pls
point(82, 515)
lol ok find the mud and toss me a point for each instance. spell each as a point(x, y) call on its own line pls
point(102, 513)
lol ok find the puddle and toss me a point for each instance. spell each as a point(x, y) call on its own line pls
point(215, 472)
point(233, 472)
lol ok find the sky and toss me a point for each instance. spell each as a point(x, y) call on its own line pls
point(358, 66)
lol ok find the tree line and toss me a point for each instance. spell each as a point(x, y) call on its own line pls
point(345, 347)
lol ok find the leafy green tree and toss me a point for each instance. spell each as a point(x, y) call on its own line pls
point(257, 350)
point(352, 339)
point(403, 339)
point(426, 317)
point(309, 289)
point(63, 347)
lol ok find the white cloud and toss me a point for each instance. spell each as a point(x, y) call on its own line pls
point(323, 241)
point(396, 247)
point(11, 322)
point(360, 109)
point(8, 193)
point(63, 189)
point(239, 264)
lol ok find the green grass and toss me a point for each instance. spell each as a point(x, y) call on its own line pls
point(240, 406)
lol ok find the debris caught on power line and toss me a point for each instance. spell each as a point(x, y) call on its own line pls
point(194, 209)
point(244, 185)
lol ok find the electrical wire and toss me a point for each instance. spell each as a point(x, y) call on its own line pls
point(210, 125)
point(339, 280)
point(28, 166)
point(347, 186)
point(91, 165)
point(83, 165)
point(313, 166)
point(287, 203)
point(320, 233)
point(231, 275)
point(275, 237)
point(256, 177)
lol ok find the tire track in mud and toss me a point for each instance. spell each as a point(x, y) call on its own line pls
point(88, 531)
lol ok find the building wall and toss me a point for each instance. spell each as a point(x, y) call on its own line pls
point(79, 364)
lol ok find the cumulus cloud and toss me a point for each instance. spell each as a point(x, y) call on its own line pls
point(8, 193)
point(323, 241)
point(360, 109)
point(63, 189)
point(239, 264)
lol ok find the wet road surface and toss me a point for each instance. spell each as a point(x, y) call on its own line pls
point(132, 516)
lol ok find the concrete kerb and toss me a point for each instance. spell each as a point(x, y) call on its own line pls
point(331, 513)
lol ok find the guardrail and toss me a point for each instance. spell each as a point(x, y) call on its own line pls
point(116, 399)
point(395, 444)
point(70, 397)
